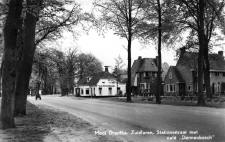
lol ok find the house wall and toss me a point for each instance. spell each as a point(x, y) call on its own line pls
point(109, 87)
point(105, 87)
point(146, 81)
point(216, 80)
point(171, 87)
point(83, 90)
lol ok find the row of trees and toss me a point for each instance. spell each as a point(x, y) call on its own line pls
point(52, 66)
point(165, 22)
point(28, 24)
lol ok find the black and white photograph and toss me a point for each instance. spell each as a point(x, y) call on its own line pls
point(112, 70)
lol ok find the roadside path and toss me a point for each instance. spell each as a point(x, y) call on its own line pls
point(125, 117)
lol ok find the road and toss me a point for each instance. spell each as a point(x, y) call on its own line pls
point(120, 119)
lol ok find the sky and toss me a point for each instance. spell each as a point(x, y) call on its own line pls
point(108, 47)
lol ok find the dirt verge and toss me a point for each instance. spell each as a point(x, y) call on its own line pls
point(44, 124)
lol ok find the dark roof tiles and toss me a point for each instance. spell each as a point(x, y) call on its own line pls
point(190, 60)
point(95, 79)
point(143, 65)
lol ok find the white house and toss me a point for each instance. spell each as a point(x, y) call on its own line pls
point(101, 84)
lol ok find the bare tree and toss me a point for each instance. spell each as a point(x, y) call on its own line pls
point(123, 17)
point(159, 26)
point(119, 67)
point(201, 17)
point(41, 22)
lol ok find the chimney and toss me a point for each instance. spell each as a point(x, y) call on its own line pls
point(106, 68)
point(139, 57)
point(220, 53)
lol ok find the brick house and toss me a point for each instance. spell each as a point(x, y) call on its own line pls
point(182, 78)
point(143, 75)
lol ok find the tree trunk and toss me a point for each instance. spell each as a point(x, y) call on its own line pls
point(129, 53)
point(159, 61)
point(201, 36)
point(9, 64)
point(129, 72)
point(206, 71)
point(25, 64)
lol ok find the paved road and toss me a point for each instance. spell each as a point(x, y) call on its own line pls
point(107, 116)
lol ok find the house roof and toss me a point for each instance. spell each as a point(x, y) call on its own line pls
point(147, 64)
point(190, 60)
point(177, 73)
point(217, 62)
point(143, 65)
point(102, 75)
point(95, 79)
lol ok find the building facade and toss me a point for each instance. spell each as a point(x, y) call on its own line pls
point(143, 75)
point(182, 79)
point(101, 84)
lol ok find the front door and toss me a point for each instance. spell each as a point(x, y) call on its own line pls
point(181, 89)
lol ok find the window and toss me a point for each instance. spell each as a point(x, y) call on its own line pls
point(142, 86)
point(110, 91)
point(223, 74)
point(146, 74)
point(82, 91)
point(170, 88)
point(87, 91)
point(217, 73)
point(189, 87)
point(100, 91)
point(148, 86)
point(167, 88)
point(218, 87)
point(118, 90)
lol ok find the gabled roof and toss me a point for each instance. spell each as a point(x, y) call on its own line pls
point(176, 72)
point(143, 65)
point(102, 75)
point(95, 79)
point(147, 64)
point(190, 60)
point(217, 62)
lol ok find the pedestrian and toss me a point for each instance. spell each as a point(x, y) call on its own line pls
point(38, 95)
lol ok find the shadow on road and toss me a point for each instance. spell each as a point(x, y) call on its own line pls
point(31, 127)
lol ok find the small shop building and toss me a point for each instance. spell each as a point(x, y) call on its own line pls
point(101, 84)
